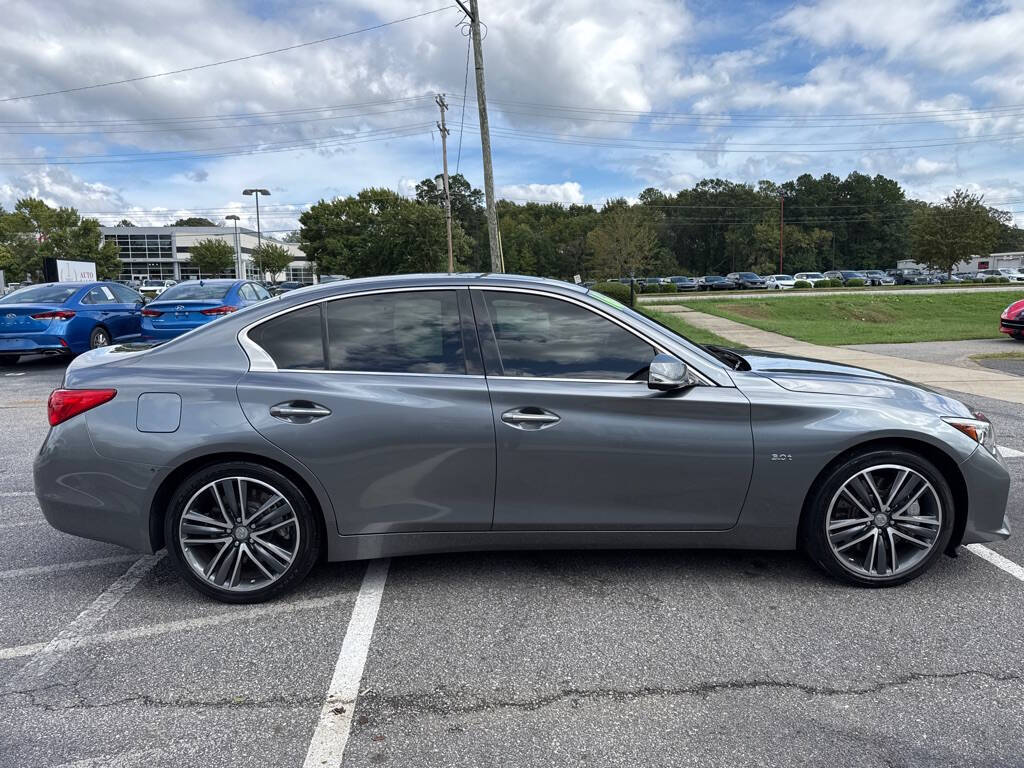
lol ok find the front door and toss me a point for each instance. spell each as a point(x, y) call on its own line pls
point(373, 395)
point(584, 444)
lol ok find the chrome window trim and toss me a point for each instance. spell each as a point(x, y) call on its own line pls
point(261, 362)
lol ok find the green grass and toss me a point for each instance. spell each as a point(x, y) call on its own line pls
point(834, 320)
point(1000, 356)
point(692, 332)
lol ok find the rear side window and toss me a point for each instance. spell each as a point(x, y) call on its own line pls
point(101, 294)
point(247, 293)
point(125, 295)
point(542, 337)
point(411, 332)
point(294, 340)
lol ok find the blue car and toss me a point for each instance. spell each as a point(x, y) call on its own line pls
point(193, 303)
point(67, 318)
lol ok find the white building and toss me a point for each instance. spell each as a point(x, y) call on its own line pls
point(1008, 260)
point(163, 253)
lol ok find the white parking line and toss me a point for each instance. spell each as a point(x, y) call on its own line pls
point(74, 565)
point(997, 560)
point(184, 625)
point(1010, 453)
point(73, 633)
point(327, 746)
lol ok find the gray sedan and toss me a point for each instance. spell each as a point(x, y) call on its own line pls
point(412, 414)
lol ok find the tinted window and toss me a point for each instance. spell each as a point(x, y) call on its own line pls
point(247, 293)
point(293, 340)
point(414, 332)
point(196, 292)
point(42, 294)
point(260, 291)
point(125, 295)
point(549, 338)
point(101, 294)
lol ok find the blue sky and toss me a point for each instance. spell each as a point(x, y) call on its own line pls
point(589, 99)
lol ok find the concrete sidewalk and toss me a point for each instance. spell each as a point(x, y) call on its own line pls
point(972, 381)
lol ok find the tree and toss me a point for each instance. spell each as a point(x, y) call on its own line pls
point(272, 258)
point(623, 242)
point(212, 256)
point(293, 237)
point(961, 226)
point(193, 221)
point(125, 223)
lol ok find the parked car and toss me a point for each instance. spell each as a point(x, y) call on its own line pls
point(944, 278)
point(878, 277)
point(966, 276)
point(780, 282)
point(153, 288)
point(909, 276)
point(811, 277)
point(714, 283)
point(845, 275)
point(1011, 274)
point(1011, 321)
point(683, 283)
point(288, 285)
point(424, 413)
point(11, 288)
point(746, 280)
point(66, 318)
point(332, 278)
point(193, 303)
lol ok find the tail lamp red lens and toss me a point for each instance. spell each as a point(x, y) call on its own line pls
point(67, 403)
point(151, 313)
point(218, 310)
point(60, 314)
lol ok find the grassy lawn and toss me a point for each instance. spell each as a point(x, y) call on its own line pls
point(867, 319)
point(692, 332)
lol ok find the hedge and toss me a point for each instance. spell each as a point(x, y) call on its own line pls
point(669, 288)
point(992, 279)
point(802, 284)
point(855, 282)
point(616, 291)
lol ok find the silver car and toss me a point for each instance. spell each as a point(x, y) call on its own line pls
point(412, 414)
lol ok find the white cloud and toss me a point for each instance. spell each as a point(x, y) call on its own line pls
point(567, 192)
point(923, 167)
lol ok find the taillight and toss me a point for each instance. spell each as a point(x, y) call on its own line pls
point(151, 313)
point(65, 403)
point(218, 310)
point(62, 314)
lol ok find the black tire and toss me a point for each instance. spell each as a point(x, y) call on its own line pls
point(100, 337)
point(309, 533)
point(8, 359)
point(814, 539)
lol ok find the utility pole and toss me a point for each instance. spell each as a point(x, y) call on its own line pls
point(473, 12)
point(239, 266)
point(442, 105)
point(782, 226)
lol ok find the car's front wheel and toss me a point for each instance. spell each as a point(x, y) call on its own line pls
point(879, 519)
point(241, 532)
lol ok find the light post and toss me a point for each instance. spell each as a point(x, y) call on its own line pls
point(239, 267)
point(259, 237)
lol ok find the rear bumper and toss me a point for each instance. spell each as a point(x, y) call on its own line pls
point(37, 344)
point(988, 489)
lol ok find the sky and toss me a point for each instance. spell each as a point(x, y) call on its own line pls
point(588, 99)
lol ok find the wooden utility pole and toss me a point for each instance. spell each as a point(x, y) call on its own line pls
point(473, 12)
point(782, 224)
point(443, 105)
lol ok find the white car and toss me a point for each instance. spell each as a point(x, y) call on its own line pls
point(811, 277)
point(153, 288)
point(780, 282)
point(1012, 274)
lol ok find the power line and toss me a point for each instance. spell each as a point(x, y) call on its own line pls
point(228, 61)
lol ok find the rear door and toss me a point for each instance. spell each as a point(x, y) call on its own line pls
point(103, 307)
point(584, 444)
point(382, 396)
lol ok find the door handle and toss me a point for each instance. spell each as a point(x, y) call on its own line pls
point(299, 412)
point(530, 418)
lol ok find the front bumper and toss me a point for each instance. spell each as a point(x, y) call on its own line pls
point(1015, 327)
point(988, 489)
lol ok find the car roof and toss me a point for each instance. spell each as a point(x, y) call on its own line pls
point(441, 280)
point(213, 281)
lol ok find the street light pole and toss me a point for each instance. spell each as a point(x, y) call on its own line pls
point(259, 236)
point(239, 267)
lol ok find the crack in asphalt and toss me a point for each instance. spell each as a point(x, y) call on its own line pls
point(440, 703)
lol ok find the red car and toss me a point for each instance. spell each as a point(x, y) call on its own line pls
point(1012, 320)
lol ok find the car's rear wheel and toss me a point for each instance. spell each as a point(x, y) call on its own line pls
point(241, 532)
point(8, 359)
point(100, 337)
point(879, 519)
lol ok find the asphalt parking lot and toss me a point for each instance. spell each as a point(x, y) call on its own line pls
point(519, 659)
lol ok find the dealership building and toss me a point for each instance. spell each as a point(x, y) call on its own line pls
point(163, 253)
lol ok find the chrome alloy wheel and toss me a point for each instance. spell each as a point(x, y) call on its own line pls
point(239, 533)
point(883, 521)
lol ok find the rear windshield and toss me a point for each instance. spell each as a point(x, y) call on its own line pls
point(748, 275)
point(41, 294)
point(183, 292)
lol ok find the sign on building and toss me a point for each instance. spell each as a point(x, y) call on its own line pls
point(62, 271)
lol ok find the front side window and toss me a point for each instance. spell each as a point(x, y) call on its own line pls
point(411, 332)
point(542, 337)
point(101, 294)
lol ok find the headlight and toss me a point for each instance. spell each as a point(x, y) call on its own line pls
point(979, 429)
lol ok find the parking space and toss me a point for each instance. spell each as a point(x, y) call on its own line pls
point(526, 659)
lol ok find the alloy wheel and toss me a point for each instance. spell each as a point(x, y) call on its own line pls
point(239, 534)
point(883, 521)
point(100, 339)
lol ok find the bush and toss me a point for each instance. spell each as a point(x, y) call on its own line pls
point(616, 291)
point(977, 279)
point(1002, 279)
point(669, 288)
point(855, 282)
point(801, 284)
point(829, 284)
point(992, 279)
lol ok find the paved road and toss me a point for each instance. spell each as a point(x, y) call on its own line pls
point(959, 353)
point(535, 659)
point(699, 296)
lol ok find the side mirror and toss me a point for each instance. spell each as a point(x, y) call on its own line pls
point(667, 373)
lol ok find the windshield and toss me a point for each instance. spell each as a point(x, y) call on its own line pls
point(196, 292)
point(783, 277)
point(749, 276)
point(813, 275)
point(152, 283)
point(41, 294)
